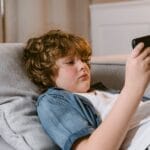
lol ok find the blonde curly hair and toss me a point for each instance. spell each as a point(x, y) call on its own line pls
point(41, 53)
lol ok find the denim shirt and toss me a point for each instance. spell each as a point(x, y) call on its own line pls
point(66, 117)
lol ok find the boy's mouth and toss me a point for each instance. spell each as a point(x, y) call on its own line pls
point(84, 77)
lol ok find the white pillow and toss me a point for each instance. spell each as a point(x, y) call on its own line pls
point(19, 123)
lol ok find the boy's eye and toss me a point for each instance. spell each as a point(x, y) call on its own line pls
point(70, 62)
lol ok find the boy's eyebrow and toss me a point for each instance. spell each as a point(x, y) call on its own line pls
point(70, 56)
point(67, 58)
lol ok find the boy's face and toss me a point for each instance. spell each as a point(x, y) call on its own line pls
point(73, 74)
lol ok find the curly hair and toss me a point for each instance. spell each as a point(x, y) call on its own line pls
point(41, 53)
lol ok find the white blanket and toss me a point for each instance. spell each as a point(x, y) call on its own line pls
point(138, 136)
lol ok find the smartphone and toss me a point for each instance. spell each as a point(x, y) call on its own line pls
point(144, 39)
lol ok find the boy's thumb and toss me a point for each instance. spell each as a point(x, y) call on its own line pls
point(137, 50)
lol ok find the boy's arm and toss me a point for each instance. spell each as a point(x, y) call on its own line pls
point(110, 134)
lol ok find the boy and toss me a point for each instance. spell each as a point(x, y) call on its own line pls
point(74, 115)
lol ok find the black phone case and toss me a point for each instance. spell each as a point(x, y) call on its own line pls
point(144, 39)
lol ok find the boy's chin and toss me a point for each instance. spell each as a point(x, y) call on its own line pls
point(83, 89)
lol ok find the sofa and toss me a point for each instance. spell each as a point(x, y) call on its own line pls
point(20, 127)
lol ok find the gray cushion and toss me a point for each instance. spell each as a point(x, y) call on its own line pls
point(112, 73)
point(19, 123)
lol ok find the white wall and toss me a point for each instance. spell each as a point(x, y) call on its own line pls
point(114, 25)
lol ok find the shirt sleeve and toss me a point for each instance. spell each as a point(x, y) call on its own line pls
point(62, 121)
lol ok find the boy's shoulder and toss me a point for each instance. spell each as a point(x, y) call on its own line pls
point(55, 94)
point(52, 91)
point(57, 91)
point(58, 95)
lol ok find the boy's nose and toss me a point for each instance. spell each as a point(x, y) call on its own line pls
point(82, 65)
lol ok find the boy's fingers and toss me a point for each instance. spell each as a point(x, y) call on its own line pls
point(145, 53)
point(137, 50)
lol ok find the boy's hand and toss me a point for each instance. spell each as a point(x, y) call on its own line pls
point(138, 69)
